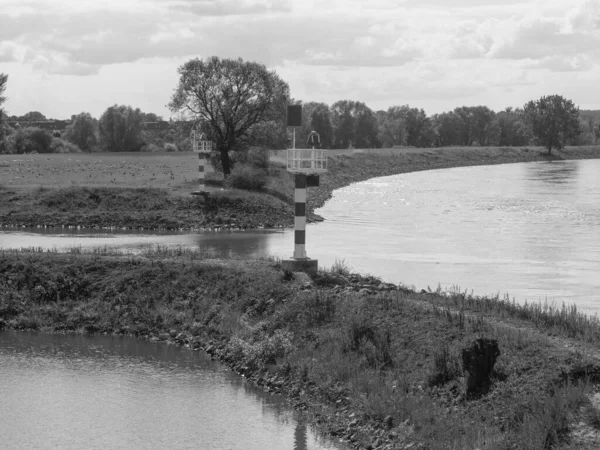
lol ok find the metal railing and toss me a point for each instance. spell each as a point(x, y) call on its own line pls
point(307, 160)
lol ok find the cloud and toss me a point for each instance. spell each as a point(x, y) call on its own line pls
point(7, 52)
point(232, 7)
point(574, 63)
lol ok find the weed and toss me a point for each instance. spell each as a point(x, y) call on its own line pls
point(446, 366)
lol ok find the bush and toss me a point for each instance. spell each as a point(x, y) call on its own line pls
point(150, 148)
point(170, 147)
point(244, 176)
point(62, 146)
point(27, 140)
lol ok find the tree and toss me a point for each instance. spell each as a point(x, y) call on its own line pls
point(82, 131)
point(120, 129)
point(33, 116)
point(552, 120)
point(513, 132)
point(3, 82)
point(151, 117)
point(344, 123)
point(354, 125)
point(231, 97)
point(320, 121)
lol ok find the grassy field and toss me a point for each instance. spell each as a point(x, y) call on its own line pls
point(373, 364)
point(176, 172)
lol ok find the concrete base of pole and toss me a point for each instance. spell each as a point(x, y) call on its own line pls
point(301, 265)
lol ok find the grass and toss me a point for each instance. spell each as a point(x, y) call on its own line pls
point(379, 368)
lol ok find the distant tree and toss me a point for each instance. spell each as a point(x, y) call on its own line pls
point(83, 131)
point(366, 129)
point(231, 97)
point(354, 125)
point(3, 83)
point(151, 117)
point(120, 129)
point(448, 127)
point(344, 123)
point(320, 121)
point(33, 116)
point(552, 120)
point(486, 130)
point(392, 126)
point(513, 131)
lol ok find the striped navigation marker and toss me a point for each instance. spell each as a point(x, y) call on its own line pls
point(204, 166)
point(300, 216)
point(306, 164)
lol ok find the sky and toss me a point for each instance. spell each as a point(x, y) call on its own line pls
point(64, 57)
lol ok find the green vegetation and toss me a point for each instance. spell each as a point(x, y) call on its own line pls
point(82, 132)
point(120, 129)
point(553, 120)
point(233, 99)
point(372, 363)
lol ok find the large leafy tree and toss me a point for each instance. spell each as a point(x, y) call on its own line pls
point(552, 120)
point(231, 97)
point(83, 131)
point(120, 129)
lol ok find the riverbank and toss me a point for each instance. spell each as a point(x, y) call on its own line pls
point(152, 192)
point(373, 364)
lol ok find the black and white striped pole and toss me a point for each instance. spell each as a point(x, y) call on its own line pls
point(306, 165)
point(203, 147)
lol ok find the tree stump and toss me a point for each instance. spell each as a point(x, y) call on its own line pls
point(478, 361)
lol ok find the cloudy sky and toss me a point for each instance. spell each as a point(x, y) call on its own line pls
point(68, 56)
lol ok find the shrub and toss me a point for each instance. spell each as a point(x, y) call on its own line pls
point(27, 140)
point(150, 148)
point(83, 132)
point(257, 157)
point(247, 177)
point(170, 147)
point(62, 146)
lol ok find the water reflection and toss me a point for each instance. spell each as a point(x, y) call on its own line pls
point(300, 441)
point(553, 172)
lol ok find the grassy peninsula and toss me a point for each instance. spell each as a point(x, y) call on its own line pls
point(373, 364)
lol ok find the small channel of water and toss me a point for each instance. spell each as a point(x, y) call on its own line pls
point(82, 392)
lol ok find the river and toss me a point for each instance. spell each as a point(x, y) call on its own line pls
point(528, 230)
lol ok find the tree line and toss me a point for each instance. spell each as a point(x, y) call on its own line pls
point(239, 104)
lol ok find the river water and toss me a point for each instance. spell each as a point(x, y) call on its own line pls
point(82, 392)
point(528, 230)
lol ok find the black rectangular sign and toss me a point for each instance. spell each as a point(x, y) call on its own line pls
point(294, 115)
